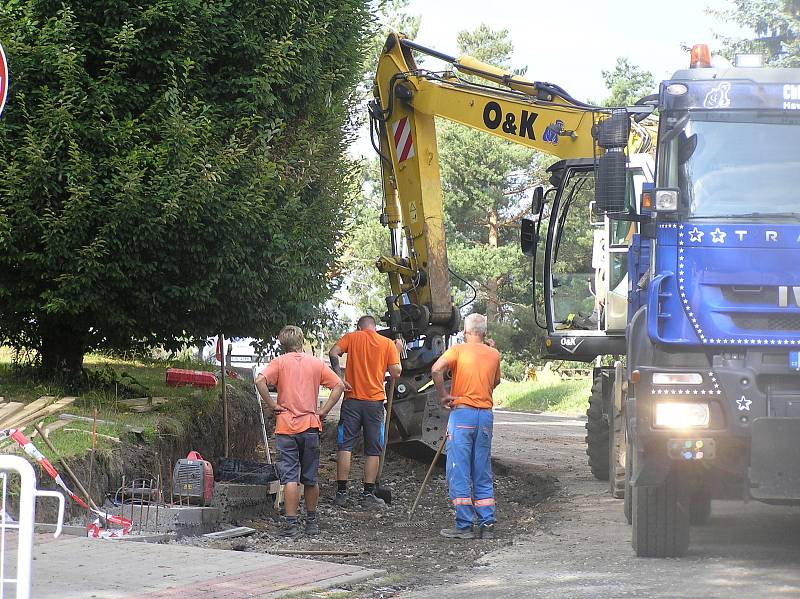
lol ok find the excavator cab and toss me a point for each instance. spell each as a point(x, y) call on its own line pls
point(581, 288)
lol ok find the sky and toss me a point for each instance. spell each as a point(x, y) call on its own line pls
point(570, 43)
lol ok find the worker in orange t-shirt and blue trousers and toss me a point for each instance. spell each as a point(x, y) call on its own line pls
point(369, 356)
point(298, 377)
point(476, 372)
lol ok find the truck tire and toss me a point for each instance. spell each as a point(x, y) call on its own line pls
point(597, 432)
point(660, 517)
point(700, 505)
point(628, 474)
point(617, 458)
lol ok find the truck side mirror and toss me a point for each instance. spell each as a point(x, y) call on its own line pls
point(612, 135)
point(611, 182)
point(529, 238)
point(537, 202)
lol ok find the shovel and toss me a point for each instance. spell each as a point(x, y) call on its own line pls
point(385, 493)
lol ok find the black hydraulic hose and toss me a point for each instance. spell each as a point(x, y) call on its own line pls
point(406, 43)
point(467, 283)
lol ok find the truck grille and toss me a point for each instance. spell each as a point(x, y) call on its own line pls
point(745, 295)
point(772, 322)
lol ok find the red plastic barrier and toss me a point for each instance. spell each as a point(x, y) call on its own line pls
point(178, 377)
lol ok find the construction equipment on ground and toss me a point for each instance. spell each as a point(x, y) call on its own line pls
point(538, 115)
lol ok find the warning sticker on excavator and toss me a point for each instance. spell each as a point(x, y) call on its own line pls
point(403, 142)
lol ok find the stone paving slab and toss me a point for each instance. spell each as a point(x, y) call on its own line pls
point(81, 568)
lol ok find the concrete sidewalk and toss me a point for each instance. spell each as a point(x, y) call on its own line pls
point(79, 568)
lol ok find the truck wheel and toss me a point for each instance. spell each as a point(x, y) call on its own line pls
point(700, 505)
point(617, 458)
point(661, 518)
point(597, 434)
point(628, 473)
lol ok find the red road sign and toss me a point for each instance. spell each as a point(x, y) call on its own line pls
point(3, 78)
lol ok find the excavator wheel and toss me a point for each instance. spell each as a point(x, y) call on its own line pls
point(628, 507)
point(617, 456)
point(597, 432)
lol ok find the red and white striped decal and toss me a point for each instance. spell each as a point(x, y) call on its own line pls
point(403, 142)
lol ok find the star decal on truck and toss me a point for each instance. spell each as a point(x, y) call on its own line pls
point(718, 236)
point(695, 235)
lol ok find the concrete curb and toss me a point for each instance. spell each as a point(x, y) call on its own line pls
point(354, 578)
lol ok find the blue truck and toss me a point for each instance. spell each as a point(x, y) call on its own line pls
point(703, 400)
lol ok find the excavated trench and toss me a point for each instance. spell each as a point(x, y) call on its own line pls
point(198, 428)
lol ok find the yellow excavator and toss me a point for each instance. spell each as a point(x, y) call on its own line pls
point(543, 116)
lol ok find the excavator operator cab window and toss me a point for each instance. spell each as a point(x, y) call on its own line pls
point(587, 255)
point(571, 240)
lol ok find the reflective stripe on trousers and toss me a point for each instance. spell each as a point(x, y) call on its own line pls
point(469, 465)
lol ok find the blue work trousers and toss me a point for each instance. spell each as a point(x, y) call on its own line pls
point(469, 465)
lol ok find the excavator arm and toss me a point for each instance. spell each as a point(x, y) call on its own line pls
point(407, 98)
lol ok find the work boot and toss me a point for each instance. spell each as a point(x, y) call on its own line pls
point(312, 527)
point(370, 502)
point(340, 499)
point(291, 531)
point(457, 533)
point(486, 531)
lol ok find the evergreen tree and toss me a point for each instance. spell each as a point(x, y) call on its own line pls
point(172, 168)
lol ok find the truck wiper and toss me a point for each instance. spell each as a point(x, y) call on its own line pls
point(771, 215)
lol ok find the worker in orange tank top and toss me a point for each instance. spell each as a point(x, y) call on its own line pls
point(298, 377)
point(475, 366)
point(369, 356)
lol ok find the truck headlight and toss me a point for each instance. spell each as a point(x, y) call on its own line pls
point(677, 378)
point(666, 200)
point(674, 414)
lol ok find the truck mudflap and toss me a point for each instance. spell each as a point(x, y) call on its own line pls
point(775, 459)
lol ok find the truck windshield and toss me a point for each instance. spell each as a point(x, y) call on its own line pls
point(742, 164)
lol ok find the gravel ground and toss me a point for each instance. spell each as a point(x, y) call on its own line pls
point(412, 553)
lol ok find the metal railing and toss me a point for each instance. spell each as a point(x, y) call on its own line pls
point(15, 575)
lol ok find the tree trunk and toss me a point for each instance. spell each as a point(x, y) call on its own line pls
point(63, 346)
point(492, 283)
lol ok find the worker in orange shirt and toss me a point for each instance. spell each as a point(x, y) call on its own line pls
point(475, 365)
point(369, 356)
point(298, 377)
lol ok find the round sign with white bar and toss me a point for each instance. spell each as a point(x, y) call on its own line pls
point(3, 79)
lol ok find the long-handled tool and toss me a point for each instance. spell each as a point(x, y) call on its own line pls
point(428, 474)
point(385, 493)
point(267, 454)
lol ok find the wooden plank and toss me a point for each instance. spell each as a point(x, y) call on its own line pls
point(85, 419)
point(99, 435)
point(10, 419)
point(10, 408)
point(23, 419)
point(239, 531)
point(54, 426)
point(73, 417)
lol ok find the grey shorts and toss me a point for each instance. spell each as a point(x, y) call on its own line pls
point(298, 457)
point(357, 414)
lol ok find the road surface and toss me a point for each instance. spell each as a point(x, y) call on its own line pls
point(582, 548)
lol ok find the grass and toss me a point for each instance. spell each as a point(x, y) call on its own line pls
point(111, 379)
point(549, 393)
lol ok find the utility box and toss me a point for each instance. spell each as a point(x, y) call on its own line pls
point(193, 480)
